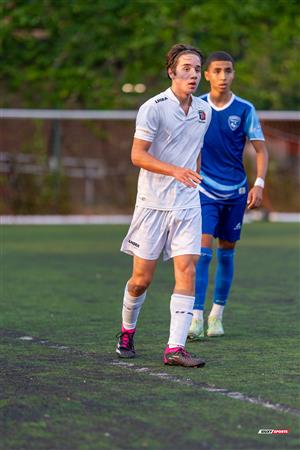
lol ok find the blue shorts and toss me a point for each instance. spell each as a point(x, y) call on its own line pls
point(223, 219)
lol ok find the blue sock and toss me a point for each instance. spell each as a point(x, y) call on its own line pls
point(202, 277)
point(224, 275)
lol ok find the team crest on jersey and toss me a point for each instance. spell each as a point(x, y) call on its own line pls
point(234, 122)
point(202, 116)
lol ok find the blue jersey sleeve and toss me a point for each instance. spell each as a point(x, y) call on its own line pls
point(252, 126)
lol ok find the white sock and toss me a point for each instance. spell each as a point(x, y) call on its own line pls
point(216, 311)
point(181, 307)
point(131, 309)
point(198, 314)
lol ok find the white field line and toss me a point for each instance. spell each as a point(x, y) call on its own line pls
point(164, 376)
point(225, 392)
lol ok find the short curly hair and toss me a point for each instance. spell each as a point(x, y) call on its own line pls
point(218, 56)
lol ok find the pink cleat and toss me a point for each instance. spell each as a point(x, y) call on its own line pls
point(178, 356)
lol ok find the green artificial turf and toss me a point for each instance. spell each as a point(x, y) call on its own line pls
point(63, 286)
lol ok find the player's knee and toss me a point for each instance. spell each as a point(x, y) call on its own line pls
point(226, 245)
point(138, 288)
point(189, 272)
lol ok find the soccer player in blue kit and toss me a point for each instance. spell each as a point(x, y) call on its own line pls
point(224, 190)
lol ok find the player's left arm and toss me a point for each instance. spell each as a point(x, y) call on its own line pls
point(255, 195)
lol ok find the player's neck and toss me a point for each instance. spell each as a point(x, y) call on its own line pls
point(185, 100)
point(220, 98)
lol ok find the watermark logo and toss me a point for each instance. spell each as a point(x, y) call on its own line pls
point(275, 431)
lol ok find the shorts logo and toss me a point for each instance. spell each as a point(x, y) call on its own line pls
point(202, 116)
point(238, 226)
point(133, 243)
point(234, 122)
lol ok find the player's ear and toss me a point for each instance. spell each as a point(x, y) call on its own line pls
point(206, 75)
point(171, 74)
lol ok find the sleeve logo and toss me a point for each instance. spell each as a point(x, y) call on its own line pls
point(234, 122)
point(162, 99)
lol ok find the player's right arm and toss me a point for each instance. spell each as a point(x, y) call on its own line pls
point(147, 124)
point(141, 158)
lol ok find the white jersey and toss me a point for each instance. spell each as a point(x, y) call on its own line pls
point(176, 139)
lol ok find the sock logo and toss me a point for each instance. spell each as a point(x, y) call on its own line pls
point(184, 312)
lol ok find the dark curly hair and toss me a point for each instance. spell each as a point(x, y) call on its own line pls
point(218, 56)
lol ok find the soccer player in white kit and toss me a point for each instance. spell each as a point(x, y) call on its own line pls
point(170, 129)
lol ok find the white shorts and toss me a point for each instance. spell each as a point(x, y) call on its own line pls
point(152, 231)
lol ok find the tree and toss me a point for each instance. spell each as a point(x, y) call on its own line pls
point(79, 53)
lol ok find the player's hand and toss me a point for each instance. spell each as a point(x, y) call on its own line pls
point(255, 197)
point(188, 177)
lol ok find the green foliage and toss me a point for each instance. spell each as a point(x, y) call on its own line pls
point(78, 53)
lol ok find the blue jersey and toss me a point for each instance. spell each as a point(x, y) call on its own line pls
point(222, 166)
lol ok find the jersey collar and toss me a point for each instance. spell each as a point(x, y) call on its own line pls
point(169, 93)
point(217, 108)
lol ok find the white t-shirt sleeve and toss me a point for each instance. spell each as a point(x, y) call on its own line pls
point(208, 117)
point(208, 120)
point(147, 122)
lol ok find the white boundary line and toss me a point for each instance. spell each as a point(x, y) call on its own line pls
point(164, 376)
point(120, 219)
point(225, 392)
point(75, 114)
point(284, 217)
point(123, 219)
point(80, 114)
